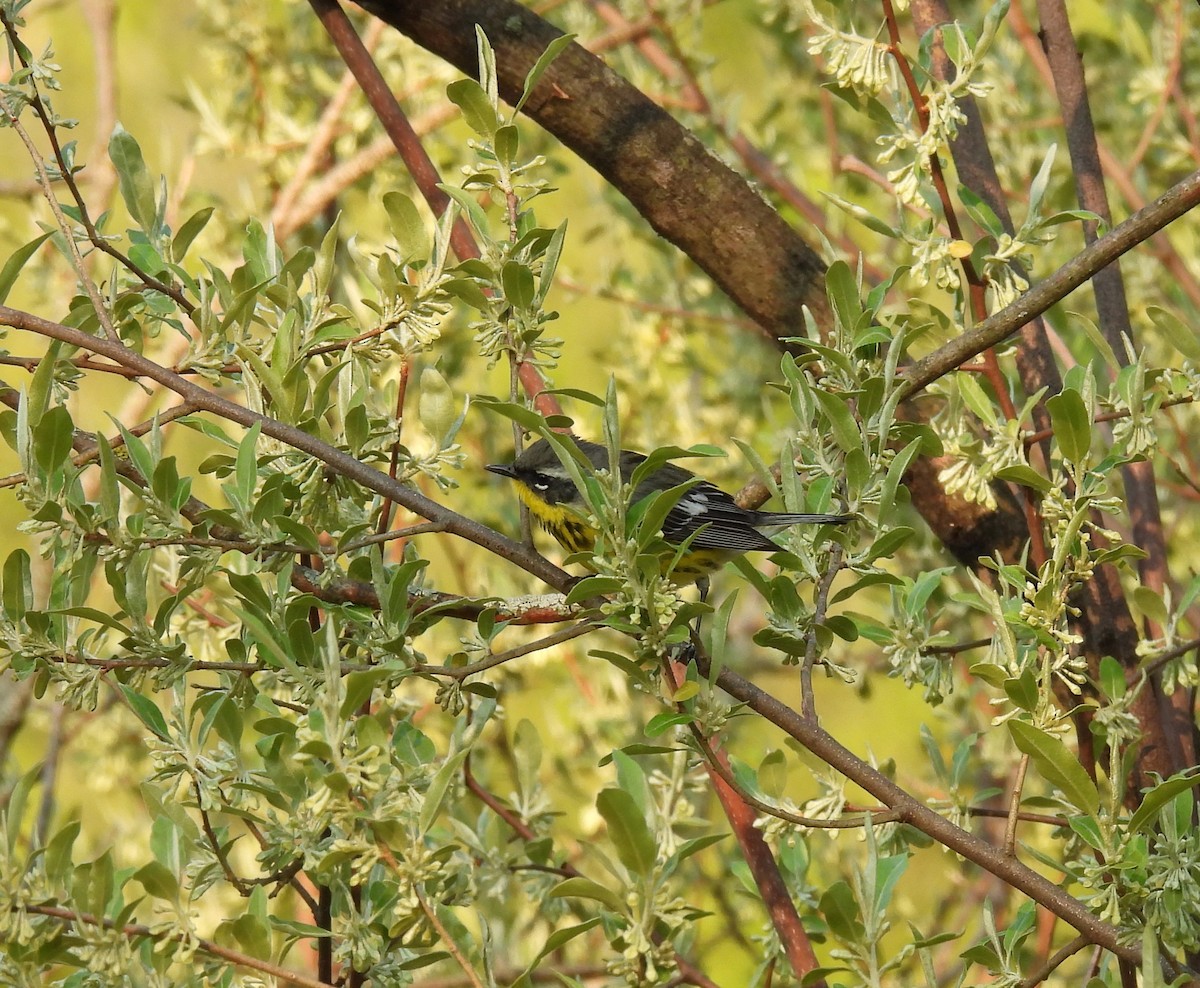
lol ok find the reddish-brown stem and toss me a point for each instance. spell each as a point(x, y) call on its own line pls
point(921, 108)
point(760, 860)
point(396, 123)
point(1163, 249)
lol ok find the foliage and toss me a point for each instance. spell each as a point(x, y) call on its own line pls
point(279, 705)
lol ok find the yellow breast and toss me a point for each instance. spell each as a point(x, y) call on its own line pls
point(572, 532)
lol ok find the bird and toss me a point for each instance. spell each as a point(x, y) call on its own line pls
point(719, 528)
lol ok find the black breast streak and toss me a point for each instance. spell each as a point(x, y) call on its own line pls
point(576, 535)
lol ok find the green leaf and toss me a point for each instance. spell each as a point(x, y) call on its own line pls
point(840, 910)
point(697, 844)
point(719, 635)
point(842, 289)
point(1112, 678)
point(887, 873)
point(1023, 690)
point(358, 688)
point(1178, 333)
point(436, 793)
point(654, 510)
point(477, 109)
point(773, 774)
point(869, 220)
point(52, 436)
point(842, 626)
point(1103, 347)
point(1087, 828)
point(554, 251)
point(18, 585)
point(1057, 765)
point(632, 780)
point(137, 188)
point(975, 398)
point(1037, 189)
point(1158, 797)
point(1072, 424)
point(190, 230)
point(1151, 604)
point(585, 888)
point(12, 267)
point(145, 258)
point(58, 851)
point(593, 586)
point(14, 815)
point(408, 227)
point(41, 388)
point(661, 723)
point(519, 287)
point(507, 144)
point(146, 710)
point(627, 830)
point(556, 940)
point(158, 880)
point(637, 750)
point(469, 205)
point(841, 421)
point(889, 542)
point(298, 929)
point(246, 471)
point(253, 934)
point(1026, 476)
point(553, 50)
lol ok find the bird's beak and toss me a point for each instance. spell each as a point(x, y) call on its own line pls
point(503, 469)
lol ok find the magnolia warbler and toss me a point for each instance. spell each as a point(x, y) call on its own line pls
point(722, 529)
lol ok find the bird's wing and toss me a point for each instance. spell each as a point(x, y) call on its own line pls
point(726, 526)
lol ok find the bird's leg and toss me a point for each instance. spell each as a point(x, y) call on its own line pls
point(687, 650)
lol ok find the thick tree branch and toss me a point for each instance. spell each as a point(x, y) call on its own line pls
point(1172, 204)
point(688, 195)
point(914, 812)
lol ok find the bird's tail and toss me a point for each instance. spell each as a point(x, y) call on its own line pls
point(786, 518)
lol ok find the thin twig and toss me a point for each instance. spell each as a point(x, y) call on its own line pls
point(913, 811)
point(68, 177)
point(499, 658)
point(1014, 806)
point(721, 767)
point(1052, 964)
point(49, 775)
point(1175, 202)
point(215, 843)
point(385, 509)
point(138, 930)
point(93, 293)
point(338, 460)
point(444, 937)
point(956, 648)
point(317, 153)
point(1150, 668)
point(808, 703)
